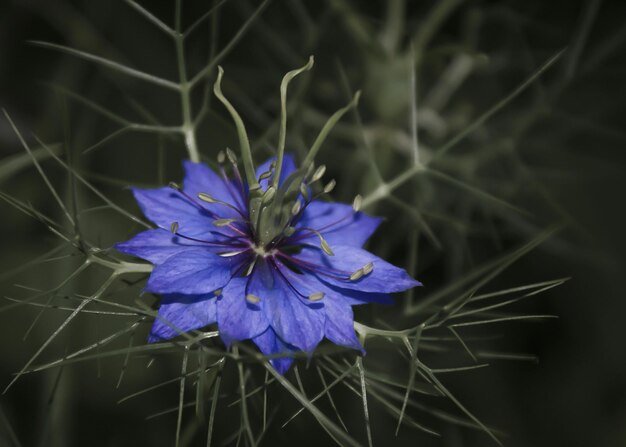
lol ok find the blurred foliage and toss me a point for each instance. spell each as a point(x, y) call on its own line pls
point(483, 127)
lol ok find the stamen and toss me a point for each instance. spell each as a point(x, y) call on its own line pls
point(230, 254)
point(317, 296)
point(206, 198)
point(174, 227)
point(251, 267)
point(265, 175)
point(224, 222)
point(325, 245)
point(304, 190)
point(289, 231)
point(330, 186)
point(253, 299)
point(295, 209)
point(356, 204)
point(232, 157)
point(238, 243)
point(291, 286)
point(363, 271)
point(268, 195)
point(221, 157)
point(175, 186)
point(319, 173)
point(357, 275)
point(209, 199)
point(368, 268)
point(315, 268)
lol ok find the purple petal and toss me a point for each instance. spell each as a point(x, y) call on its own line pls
point(295, 322)
point(338, 223)
point(339, 325)
point(335, 270)
point(182, 313)
point(355, 297)
point(238, 319)
point(192, 272)
point(289, 166)
point(270, 344)
point(164, 206)
point(339, 319)
point(155, 245)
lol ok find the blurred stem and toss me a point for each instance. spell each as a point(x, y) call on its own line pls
point(188, 128)
point(429, 27)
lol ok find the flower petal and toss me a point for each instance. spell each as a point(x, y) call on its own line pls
point(270, 344)
point(339, 325)
point(155, 245)
point(238, 319)
point(182, 313)
point(338, 223)
point(192, 272)
point(164, 206)
point(295, 322)
point(289, 166)
point(385, 278)
point(339, 319)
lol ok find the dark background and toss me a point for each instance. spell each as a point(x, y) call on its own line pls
point(573, 142)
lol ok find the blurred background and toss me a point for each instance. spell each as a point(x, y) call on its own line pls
point(445, 86)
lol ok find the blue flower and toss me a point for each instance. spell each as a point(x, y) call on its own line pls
point(279, 267)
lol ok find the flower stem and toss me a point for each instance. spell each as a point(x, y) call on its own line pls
point(188, 128)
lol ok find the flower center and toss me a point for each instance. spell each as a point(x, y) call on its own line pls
point(262, 251)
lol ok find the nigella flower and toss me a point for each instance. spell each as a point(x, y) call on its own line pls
point(282, 272)
point(260, 254)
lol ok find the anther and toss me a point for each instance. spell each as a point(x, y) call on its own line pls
point(357, 275)
point(325, 246)
point(304, 191)
point(356, 204)
point(223, 222)
point(250, 268)
point(368, 268)
point(269, 195)
point(175, 186)
point(221, 157)
point(206, 197)
point(266, 174)
point(316, 296)
point(319, 173)
point(174, 227)
point(330, 186)
point(289, 231)
point(253, 299)
point(231, 156)
point(230, 254)
point(295, 209)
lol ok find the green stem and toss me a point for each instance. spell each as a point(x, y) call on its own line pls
point(326, 130)
point(188, 128)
